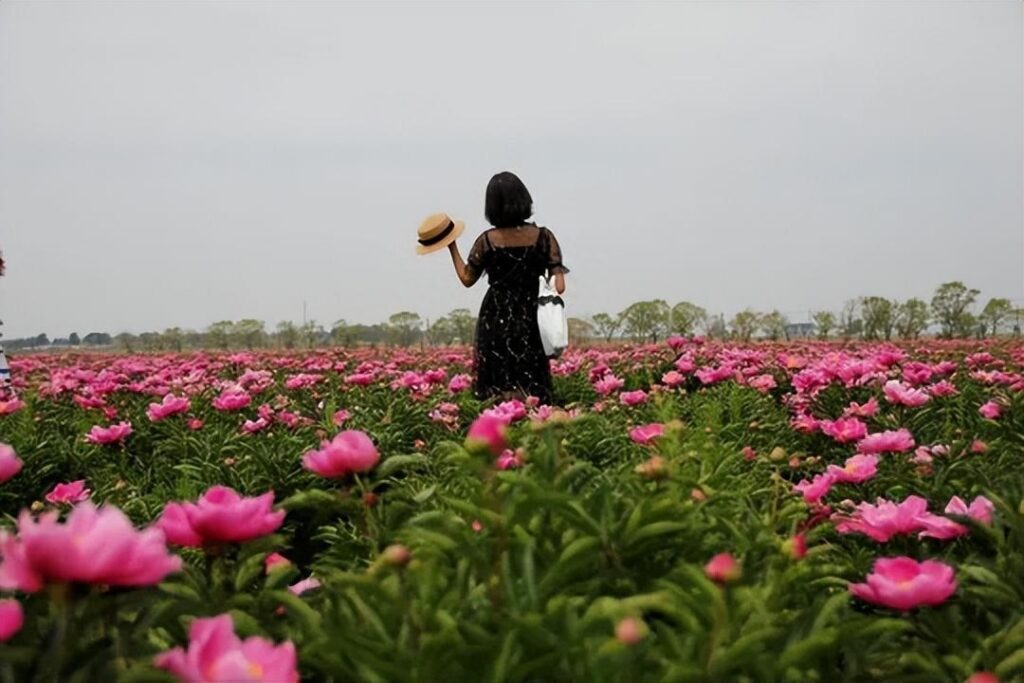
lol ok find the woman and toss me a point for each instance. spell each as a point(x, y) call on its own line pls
point(510, 359)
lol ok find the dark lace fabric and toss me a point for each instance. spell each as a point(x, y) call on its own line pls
point(510, 358)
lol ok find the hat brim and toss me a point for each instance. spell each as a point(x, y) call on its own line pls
point(443, 244)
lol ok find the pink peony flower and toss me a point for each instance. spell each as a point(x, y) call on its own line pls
point(943, 388)
point(220, 516)
point(303, 586)
point(922, 455)
point(608, 384)
point(171, 405)
point(95, 546)
point(898, 441)
point(990, 410)
point(460, 383)
point(978, 446)
point(630, 631)
point(885, 519)
point(903, 583)
point(647, 434)
point(763, 383)
point(216, 655)
point(340, 417)
point(796, 547)
point(980, 509)
point(11, 406)
point(672, 379)
point(723, 568)
point(868, 409)
point(983, 677)
point(253, 426)
point(509, 460)
point(69, 494)
point(941, 528)
point(633, 398)
point(11, 619)
point(275, 560)
point(10, 463)
point(900, 394)
point(857, 469)
point(349, 451)
point(232, 399)
point(748, 453)
point(195, 424)
point(845, 429)
point(487, 432)
point(108, 435)
point(813, 491)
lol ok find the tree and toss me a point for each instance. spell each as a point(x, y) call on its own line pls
point(715, 327)
point(150, 341)
point(878, 316)
point(646, 319)
point(464, 325)
point(911, 319)
point(74, 339)
point(219, 334)
point(405, 327)
point(287, 334)
point(251, 332)
point(951, 308)
point(744, 324)
point(579, 330)
point(97, 339)
point(850, 324)
point(825, 321)
point(994, 313)
point(126, 340)
point(773, 325)
point(442, 332)
point(341, 333)
point(687, 317)
point(173, 338)
point(312, 333)
point(606, 325)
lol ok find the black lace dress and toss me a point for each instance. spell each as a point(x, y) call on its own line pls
point(510, 358)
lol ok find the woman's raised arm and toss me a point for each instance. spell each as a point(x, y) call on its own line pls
point(467, 275)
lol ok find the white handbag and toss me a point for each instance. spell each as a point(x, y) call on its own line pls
point(554, 329)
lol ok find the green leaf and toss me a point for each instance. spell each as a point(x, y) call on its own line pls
point(802, 652)
point(247, 572)
point(654, 530)
point(400, 463)
point(1012, 665)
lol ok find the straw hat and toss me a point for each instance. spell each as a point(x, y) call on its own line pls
point(437, 232)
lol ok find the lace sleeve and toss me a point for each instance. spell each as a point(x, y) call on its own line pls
point(554, 255)
point(475, 260)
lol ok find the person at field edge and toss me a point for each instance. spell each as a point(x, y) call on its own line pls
point(514, 253)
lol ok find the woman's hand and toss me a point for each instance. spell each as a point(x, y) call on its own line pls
point(466, 275)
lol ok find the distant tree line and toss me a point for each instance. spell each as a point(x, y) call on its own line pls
point(951, 313)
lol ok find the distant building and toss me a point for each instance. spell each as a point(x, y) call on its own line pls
point(801, 330)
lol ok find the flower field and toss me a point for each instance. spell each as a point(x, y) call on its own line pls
point(696, 511)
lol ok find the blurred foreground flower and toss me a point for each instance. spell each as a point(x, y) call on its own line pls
point(94, 546)
point(216, 655)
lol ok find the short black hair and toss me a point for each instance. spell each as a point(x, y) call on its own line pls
point(508, 202)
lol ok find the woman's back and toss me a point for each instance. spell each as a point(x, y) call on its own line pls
point(514, 258)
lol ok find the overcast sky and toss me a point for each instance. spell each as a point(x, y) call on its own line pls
point(177, 163)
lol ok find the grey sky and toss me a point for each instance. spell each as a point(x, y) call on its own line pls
point(176, 163)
